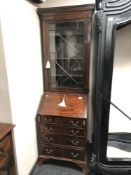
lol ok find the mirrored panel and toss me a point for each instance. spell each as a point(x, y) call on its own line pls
point(66, 54)
point(119, 132)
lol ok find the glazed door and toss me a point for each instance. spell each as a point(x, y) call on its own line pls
point(66, 52)
point(66, 60)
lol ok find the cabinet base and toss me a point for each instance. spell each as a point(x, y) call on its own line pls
point(80, 164)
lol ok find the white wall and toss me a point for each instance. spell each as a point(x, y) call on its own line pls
point(21, 42)
point(5, 111)
point(21, 48)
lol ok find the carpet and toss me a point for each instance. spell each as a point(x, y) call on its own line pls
point(56, 168)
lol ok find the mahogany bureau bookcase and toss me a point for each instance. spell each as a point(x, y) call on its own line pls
point(62, 114)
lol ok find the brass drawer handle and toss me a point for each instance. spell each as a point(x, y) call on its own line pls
point(48, 129)
point(48, 139)
point(1, 152)
point(49, 151)
point(75, 132)
point(75, 142)
point(84, 122)
point(74, 155)
point(74, 123)
point(6, 155)
point(48, 119)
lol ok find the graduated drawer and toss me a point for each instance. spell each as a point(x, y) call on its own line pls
point(71, 122)
point(5, 148)
point(50, 150)
point(59, 139)
point(56, 129)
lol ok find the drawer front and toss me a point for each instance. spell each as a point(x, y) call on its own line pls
point(59, 139)
point(5, 152)
point(71, 122)
point(47, 128)
point(63, 152)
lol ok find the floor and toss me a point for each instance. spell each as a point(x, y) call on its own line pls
point(54, 167)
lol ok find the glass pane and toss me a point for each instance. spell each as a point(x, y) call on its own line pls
point(119, 134)
point(66, 54)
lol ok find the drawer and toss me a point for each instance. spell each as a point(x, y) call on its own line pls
point(59, 139)
point(50, 150)
point(5, 152)
point(56, 129)
point(71, 122)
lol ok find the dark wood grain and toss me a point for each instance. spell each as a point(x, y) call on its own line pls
point(7, 163)
point(78, 132)
point(63, 152)
point(5, 129)
point(73, 122)
point(76, 105)
point(60, 140)
point(5, 155)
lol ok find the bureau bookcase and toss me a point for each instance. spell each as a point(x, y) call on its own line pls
point(62, 113)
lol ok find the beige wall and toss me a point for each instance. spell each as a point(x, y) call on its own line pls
point(5, 112)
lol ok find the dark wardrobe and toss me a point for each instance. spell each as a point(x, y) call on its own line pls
point(111, 88)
